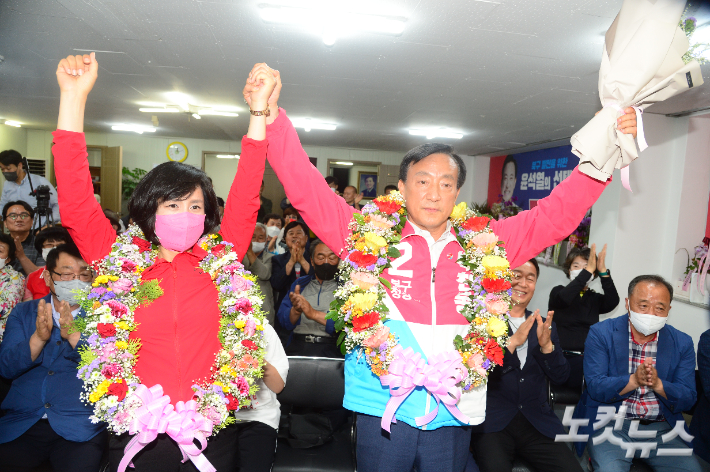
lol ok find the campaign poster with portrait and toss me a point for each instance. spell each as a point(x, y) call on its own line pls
point(527, 177)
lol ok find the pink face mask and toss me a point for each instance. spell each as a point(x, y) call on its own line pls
point(179, 231)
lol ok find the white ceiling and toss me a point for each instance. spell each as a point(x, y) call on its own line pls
point(508, 73)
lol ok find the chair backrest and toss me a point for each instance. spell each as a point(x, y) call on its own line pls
point(317, 382)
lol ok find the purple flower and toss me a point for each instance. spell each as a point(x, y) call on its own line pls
point(381, 261)
point(486, 364)
point(371, 267)
point(92, 339)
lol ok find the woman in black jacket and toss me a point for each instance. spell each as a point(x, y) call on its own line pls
point(577, 307)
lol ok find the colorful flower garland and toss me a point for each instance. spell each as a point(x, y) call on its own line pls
point(359, 309)
point(108, 359)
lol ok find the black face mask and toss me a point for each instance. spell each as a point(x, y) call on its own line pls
point(325, 271)
point(10, 176)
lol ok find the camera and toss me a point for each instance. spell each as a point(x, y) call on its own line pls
point(42, 196)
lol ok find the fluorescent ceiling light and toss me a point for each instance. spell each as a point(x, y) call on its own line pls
point(196, 116)
point(343, 163)
point(140, 129)
point(227, 156)
point(309, 124)
point(225, 108)
point(16, 124)
point(207, 111)
point(160, 110)
point(431, 133)
point(181, 99)
point(332, 19)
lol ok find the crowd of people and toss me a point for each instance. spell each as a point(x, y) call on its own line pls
point(636, 365)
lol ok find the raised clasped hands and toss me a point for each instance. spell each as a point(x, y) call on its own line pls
point(66, 324)
point(262, 89)
point(596, 262)
point(77, 74)
point(544, 331)
point(646, 375)
point(44, 323)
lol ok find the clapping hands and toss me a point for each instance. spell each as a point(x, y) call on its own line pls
point(596, 262)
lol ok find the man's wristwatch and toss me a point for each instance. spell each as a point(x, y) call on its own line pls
point(605, 273)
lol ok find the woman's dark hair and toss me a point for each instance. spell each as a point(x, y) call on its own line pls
point(170, 181)
point(291, 211)
point(7, 239)
point(329, 179)
point(573, 254)
point(273, 216)
point(26, 206)
point(53, 256)
point(51, 234)
point(425, 150)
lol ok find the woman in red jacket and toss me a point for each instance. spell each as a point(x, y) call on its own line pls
point(174, 205)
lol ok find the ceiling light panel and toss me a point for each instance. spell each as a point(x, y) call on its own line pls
point(13, 123)
point(140, 129)
point(333, 20)
point(309, 123)
point(431, 133)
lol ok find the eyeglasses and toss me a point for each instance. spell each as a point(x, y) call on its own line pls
point(68, 277)
point(15, 216)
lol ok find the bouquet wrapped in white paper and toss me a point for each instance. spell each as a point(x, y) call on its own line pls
point(641, 65)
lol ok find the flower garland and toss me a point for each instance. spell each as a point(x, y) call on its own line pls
point(359, 309)
point(108, 359)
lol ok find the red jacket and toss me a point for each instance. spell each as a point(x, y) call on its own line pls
point(179, 330)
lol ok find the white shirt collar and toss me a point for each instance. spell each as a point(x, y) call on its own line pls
point(446, 236)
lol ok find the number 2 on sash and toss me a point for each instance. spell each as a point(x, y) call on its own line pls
point(405, 249)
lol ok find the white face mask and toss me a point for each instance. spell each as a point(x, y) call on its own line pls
point(333, 189)
point(647, 324)
point(2, 263)
point(45, 252)
point(574, 273)
point(272, 231)
point(257, 247)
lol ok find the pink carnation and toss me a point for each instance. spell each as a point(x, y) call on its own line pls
point(485, 241)
point(243, 386)
point(213, 415)
point(475, 362)
point(243, 305)
point(376, 340)
point(364, 280)
point(497, 307)
point(250, 328)
point(111, 370)
point(240, 284)
point(379, 221)
point(118, 309)
point(121, 286)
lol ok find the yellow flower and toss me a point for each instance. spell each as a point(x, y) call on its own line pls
point(259, 328)
point(477, 320)
point(374, 242)
point(121, 344)
point(112, 278)
point(496, 327)
point(224, 369)
point(218, 383)
point(103, 387)
point(213, 236)
point(240, 324)
point(94, 397)
point(494, 264)
point(122, 325)
point(101, 279)
point(459, 211)
point(363, 301)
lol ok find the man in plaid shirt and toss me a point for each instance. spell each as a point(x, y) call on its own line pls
point(645, 369)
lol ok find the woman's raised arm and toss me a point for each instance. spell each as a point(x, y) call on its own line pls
point(81, 213)
point(242, 205)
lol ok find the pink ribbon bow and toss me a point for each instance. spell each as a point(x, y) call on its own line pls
point(182, 423)
point(408, 371)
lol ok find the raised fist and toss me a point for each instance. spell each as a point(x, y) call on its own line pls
point(77, 74)
point(259, 89)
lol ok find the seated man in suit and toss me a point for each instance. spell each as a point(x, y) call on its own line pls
point(519, 421)
point(44, 416)
point(645, 370)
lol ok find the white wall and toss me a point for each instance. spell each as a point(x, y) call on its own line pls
point(666, 211)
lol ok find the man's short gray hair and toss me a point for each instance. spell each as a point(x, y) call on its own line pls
point(651, 279)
